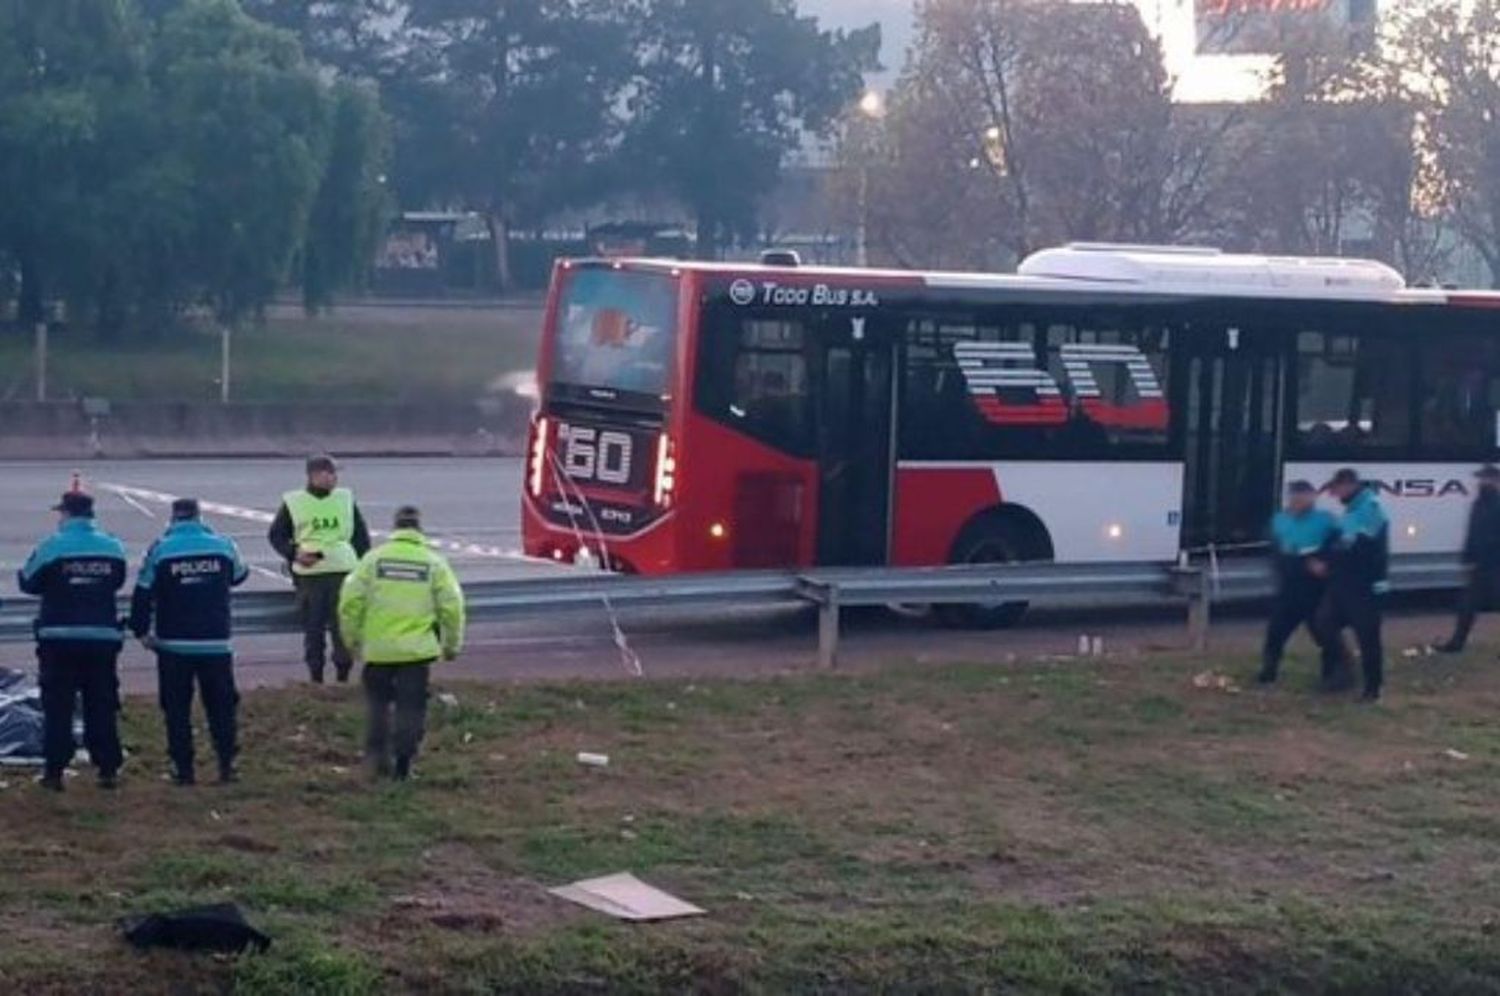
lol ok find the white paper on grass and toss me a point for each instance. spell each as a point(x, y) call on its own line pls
point(626, 897)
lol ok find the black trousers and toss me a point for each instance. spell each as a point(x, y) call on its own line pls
point(1296, 605)
point(66, 672)
point(214, 676)
point(1480, 593)
point(400, 689)
point(1352, 606)
point(318, 605)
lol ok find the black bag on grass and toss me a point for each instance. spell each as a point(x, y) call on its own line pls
point(220, 927)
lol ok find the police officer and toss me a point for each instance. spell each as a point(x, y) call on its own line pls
point(401, 609)
point(320, 533)
point(77, 571)
point(1302, 534)
point(180, 610)
point(1356, 585)
point(1481, 558)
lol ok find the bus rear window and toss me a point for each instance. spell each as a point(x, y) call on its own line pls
point(616, 332)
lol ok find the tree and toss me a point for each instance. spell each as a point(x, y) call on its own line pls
point(1447, 55)
point(353, 36)
point(349, 214)
point(726, 90)
point(62, 66)
point(176, 154)
point(509, 108)
point(248, 123)
point(1046, 122)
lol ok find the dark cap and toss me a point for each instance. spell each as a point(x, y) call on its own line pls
point(408, 517)
point(1346, 475)
point(185, 508)
point(1489, 472)
point(1301, 488)
point(76, 504)
point(322, 461)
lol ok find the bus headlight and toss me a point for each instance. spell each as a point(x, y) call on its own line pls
point(537, 458)
point(666, 471)
point(1114, 530)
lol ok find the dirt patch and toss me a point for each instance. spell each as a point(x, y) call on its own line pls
point(460, 892)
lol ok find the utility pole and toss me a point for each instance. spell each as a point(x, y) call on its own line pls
point(41, 361)
point(224, 352)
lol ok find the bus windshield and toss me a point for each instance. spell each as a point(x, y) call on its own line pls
point(616, 331)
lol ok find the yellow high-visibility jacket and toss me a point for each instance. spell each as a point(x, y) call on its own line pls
point(402, 604)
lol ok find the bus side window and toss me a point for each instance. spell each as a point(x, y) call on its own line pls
point(753, 377)
point(1353, 394)
point(1460, 393)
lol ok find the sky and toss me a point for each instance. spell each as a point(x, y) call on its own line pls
point(1198, 78)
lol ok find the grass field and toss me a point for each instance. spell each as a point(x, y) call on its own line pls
point(1069, 827)
point(360, 354)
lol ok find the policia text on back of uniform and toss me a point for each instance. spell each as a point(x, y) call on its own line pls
point(321, 534)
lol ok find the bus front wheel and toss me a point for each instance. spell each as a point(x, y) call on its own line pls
point(995, 539)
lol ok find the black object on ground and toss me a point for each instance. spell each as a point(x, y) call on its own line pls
point(220, 927)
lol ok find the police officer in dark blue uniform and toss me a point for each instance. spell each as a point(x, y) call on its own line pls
point(180, 610)
point(1357, 586)
point(1302, 535)
point(77, 571)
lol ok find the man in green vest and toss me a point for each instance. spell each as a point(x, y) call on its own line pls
point(401, 611)
point(321, 534)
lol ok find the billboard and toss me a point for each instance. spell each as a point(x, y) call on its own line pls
point(1265, 27)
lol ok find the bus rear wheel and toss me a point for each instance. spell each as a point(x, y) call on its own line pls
point(994, 539)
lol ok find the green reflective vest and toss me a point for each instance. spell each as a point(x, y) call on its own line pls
point(402, 604)
point(324, 525)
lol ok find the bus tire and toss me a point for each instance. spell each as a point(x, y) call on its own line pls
point(1004, 536)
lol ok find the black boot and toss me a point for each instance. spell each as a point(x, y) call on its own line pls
point(403, 769)
point(52, 781)
point(1269, 672)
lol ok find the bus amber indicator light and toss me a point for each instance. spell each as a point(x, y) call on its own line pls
point(666, 471)
point(717, 531)
point(537, 458)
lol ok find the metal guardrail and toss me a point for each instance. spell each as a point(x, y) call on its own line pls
point(1197, 585)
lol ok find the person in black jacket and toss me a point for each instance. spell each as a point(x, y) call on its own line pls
point(1481, 558)
point(76, 572)
point(1357, 586)
point(321, 535)
point(180, 611)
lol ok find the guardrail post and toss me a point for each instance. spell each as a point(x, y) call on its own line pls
point(828, 629)
point(826, 596)
point(1200, 611)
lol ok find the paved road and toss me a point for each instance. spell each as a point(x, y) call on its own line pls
point(470, 504)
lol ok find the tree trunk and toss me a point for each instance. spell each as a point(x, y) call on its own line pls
point(500, 242)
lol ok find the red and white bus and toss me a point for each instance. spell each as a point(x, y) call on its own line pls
point(1104, 403)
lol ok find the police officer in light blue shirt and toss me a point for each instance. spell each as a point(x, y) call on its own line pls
point(76, 573)
point(1302, 536)
point(180, 610)
point(1357, 584)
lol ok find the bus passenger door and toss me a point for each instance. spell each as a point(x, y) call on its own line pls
point(854, 370)
point(1235, 391)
